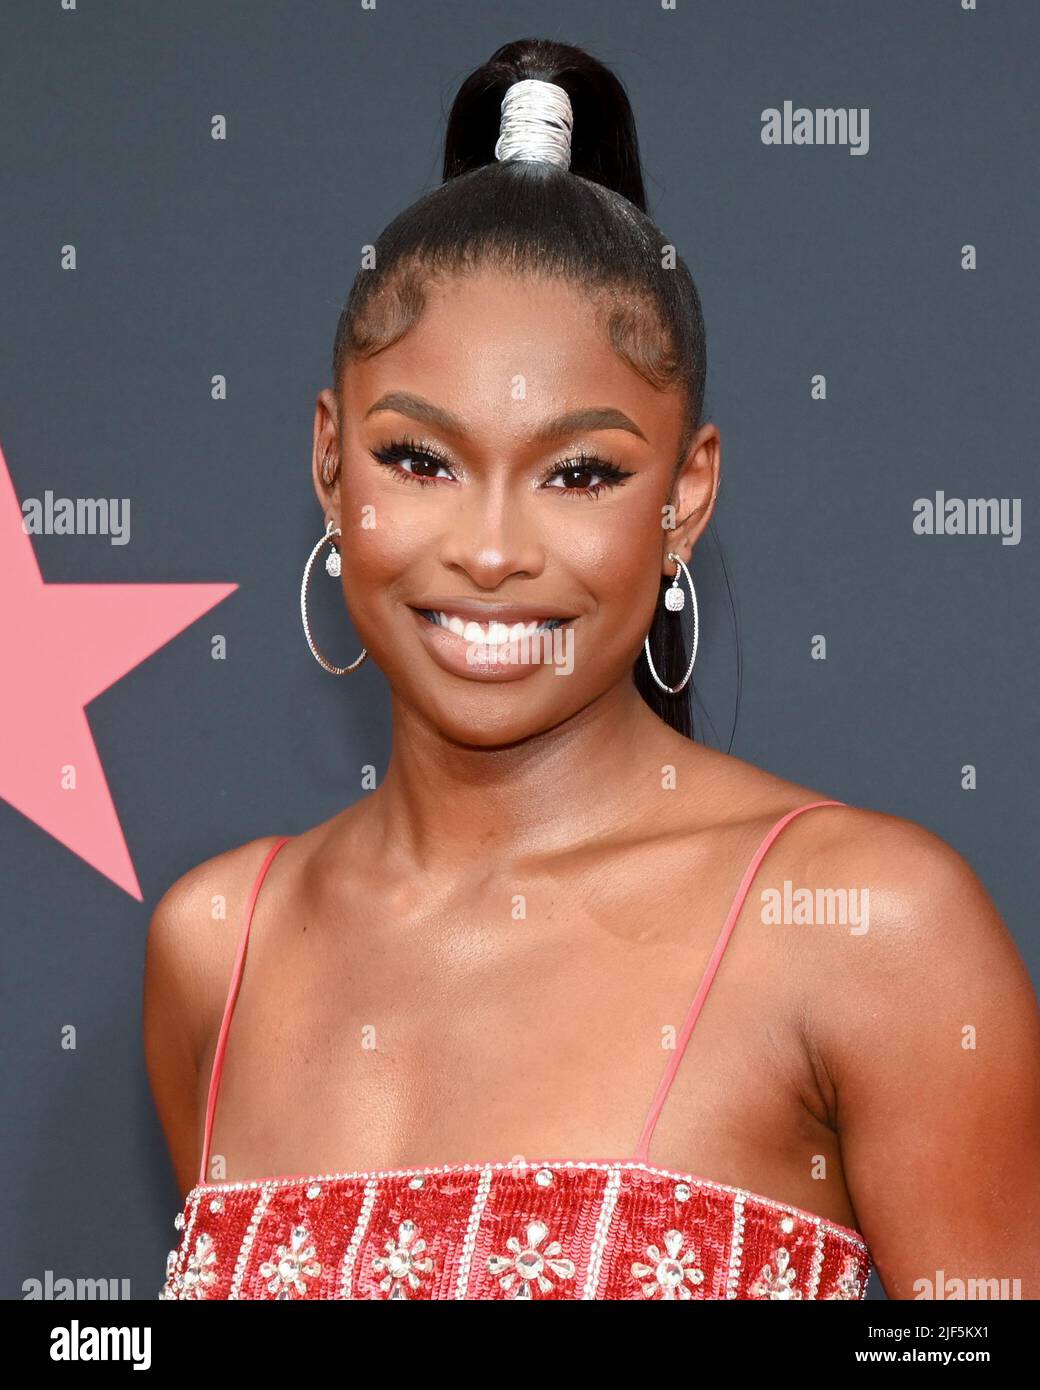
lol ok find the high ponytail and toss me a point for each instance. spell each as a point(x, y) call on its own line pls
point(604, 148)
point(587, 224)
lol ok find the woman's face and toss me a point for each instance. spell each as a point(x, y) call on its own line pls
point(501, 494)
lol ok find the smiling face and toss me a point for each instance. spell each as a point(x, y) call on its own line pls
point(502, 475)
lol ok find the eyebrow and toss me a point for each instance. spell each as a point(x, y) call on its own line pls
point(599, 417)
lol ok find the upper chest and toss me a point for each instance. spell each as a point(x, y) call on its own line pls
point(390, 1005)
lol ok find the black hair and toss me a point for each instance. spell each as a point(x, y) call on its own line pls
point(587, 224)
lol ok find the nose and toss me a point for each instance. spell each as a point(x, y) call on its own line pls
point(492, 535)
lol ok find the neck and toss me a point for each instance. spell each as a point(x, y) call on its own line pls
point(542, 795)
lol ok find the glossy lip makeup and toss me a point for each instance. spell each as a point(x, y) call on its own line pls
point(493, 641)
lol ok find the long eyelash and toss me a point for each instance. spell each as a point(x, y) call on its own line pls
point(392, 454)
point(613, 476)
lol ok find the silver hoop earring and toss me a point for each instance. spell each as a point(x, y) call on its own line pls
point(330, 531)
point(675, 602)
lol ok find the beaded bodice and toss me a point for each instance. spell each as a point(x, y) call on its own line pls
point(617, 1229)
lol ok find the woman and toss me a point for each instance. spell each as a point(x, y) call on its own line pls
point(469, 993)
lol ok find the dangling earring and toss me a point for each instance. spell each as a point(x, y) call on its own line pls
point(333, 568)
point(675, 602)
point(330, 531)
point(329, 469)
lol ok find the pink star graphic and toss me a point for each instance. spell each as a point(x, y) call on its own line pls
point(62, 645)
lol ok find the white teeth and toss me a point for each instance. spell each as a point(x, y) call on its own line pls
point(493, 633)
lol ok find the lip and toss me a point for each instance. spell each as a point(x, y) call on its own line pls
point(450, 651)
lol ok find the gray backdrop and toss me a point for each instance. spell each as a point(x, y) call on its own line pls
point(198, 257)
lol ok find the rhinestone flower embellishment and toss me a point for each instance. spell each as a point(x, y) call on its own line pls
point(849, 1284)
point(293, 1264)
point(404, 1261)
point(780, 1284)
point(199, 1273)
point(524, 1267)
point(666, 1275)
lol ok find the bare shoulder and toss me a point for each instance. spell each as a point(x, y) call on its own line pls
point(924, 898)
point(925, 1021)
point(930, 933)
point(933, 952)
point(185, 955)
point(188, 962)
point(924, 894)
point(920, 883)
point(920, 1021)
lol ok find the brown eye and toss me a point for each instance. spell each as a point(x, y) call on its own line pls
point(421, 467)
point(586, 476)
point(582, 476)
point(412, 461)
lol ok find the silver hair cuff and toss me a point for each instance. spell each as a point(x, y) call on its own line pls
point(536, 123)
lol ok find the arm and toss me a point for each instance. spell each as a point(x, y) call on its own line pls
point(169, 1017)
point(932, 1042)
point(188, 964)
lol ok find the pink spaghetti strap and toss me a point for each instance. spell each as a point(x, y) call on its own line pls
point(229, 1007)
point(641, 1154)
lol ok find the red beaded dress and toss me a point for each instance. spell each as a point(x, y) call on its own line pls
point(553, 1229)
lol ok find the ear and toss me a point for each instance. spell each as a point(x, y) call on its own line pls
point(693, 496)
point(326, 455)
